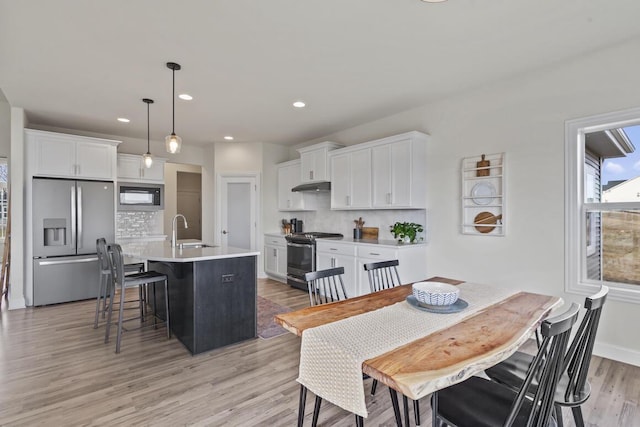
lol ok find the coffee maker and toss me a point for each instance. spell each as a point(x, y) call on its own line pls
point(296, 225)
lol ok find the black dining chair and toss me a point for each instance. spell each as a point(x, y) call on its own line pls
point(124, 282)
point(384, 275)
point(479, 402)
point(324, 286)
point(574, 388)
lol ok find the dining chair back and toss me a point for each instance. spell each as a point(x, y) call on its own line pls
point(125, 281)
point(325, 286)
point(574, 388)
point(479, 402)
point(382, 274)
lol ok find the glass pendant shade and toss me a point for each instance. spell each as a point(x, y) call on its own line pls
point(173, 143)
point(148, 159)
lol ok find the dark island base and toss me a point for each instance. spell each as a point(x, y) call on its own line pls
point(212, 303)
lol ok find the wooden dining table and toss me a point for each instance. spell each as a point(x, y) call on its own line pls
point(445, 357)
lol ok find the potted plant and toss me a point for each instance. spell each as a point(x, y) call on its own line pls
point(406, 232)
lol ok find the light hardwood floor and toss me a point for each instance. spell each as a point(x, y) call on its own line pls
point(55, 370)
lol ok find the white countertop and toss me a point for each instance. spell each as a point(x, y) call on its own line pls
point(388, 243)
point(162, 251)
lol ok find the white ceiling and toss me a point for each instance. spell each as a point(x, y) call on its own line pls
point(80, 64)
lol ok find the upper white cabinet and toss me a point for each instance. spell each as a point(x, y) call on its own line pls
point(315, 166)
point(388, 173)
point(289, 177)
point(131, 168)
point(70, 156)
point(399, 174)
point(351, 180)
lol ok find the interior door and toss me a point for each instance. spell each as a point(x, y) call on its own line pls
point(238, 204)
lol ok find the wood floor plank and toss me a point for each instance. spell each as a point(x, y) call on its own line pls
point(55, 370)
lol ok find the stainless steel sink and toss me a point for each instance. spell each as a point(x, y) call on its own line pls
point(194, 245)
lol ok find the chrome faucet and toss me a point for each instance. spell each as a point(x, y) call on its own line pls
point(174, 233)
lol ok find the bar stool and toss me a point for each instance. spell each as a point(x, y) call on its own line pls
point(104, 285)
point(124, 282)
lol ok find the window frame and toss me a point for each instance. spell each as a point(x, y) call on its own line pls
point(576, 209)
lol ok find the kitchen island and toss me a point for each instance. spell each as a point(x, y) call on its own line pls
point(212, 291)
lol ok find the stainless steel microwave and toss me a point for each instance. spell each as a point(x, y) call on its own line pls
point(140, 197)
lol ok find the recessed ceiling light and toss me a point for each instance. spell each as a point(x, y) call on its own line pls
point(228, 138)
point(299, 104)
point(185, 96)
point(123, 120)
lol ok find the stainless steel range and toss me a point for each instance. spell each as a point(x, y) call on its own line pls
point(301, 255)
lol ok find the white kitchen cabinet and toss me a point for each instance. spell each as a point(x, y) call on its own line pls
point(351, 179)
point(70, 156)
point(131, 168)
point(275, 256)
point(314, 163)
point(399, 174)
point(330, 254)
point(353, 256)
point(289, 177)
point(388, 173)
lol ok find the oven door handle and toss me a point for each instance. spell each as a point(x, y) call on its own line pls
point(300, 245)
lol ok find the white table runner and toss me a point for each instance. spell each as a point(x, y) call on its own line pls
point(331, 355)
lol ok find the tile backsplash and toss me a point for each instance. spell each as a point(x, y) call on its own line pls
point(139, 223)
point(324, 219)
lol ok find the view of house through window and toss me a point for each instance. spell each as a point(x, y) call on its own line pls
point(612, 205)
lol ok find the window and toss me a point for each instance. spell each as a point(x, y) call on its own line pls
point(602, 188)
point(4, 201)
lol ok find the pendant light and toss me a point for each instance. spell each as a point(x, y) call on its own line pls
point(148, 159)
point(173, 141)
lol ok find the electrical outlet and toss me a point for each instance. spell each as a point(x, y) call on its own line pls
point(227, 278)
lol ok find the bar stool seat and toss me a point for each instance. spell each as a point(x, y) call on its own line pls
point(124, 282)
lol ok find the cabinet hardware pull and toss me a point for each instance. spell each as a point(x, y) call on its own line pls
point(333, 249)
point(373, 253)
point(311, 175)
point(348, 200)
point(275, 252)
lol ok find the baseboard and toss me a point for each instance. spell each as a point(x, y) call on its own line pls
point(17, 303)
point(617, 353)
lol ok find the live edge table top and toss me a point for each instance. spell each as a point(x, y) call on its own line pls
point(443, 358)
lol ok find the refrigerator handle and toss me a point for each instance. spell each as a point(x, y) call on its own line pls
point(73, 214)
point(79, 242)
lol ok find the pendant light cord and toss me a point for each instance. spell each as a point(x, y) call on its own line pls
point(173, 103)
point(148, 151)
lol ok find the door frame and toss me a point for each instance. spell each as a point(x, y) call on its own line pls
point(249, 177)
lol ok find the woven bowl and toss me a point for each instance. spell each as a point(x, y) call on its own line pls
point(435, 293)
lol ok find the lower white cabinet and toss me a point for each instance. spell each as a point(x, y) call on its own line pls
point(353, 256)
point(275, 256)
point(338, 254)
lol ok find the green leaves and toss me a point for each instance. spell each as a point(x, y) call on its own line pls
point(401, 230)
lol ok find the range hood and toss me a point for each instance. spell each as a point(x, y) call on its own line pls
point(313, 186)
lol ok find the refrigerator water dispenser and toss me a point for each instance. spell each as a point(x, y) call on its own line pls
point(55, 232)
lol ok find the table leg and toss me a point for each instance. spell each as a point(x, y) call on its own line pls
point(434, 409)
point(396, 407)
point(359, 421)
point(301, 403)
point(405, 405)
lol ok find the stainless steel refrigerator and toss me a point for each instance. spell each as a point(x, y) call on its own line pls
point(68, 217)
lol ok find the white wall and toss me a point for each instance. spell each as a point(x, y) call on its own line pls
point(523, 117)
point(16, 170)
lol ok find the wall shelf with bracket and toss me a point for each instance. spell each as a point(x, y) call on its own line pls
point(483, 195)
